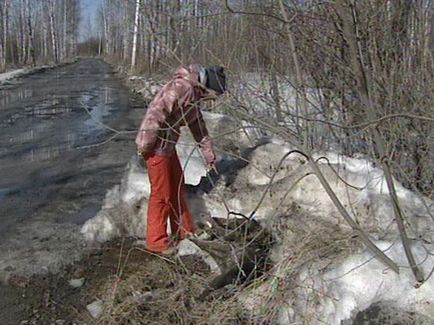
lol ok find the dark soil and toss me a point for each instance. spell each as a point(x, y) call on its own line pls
point(49, 299)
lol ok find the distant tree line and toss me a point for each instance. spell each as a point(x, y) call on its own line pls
point(33, 31)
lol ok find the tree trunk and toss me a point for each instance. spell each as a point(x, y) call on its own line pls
point(125, 33)
point(105, 29)
point(4, 41)
point(31, 49)
point(45, 45)
point(53, 31)
point(22, 36)
point(275, 94)
point(64, 53)
point(136, 30)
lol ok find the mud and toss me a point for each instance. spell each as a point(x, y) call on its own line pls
point(47, 123)
point(56, 167)
point(50, 299)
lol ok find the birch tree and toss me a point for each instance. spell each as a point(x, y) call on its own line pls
point(135, 33)
point(30, 48)
point(4, 15)
point(51, 10)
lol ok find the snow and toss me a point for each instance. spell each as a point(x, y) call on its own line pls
point(360, 281)
point(331, 288)
point(187, 247)
point(255, 90)
point(12, 74)
point(96, 309)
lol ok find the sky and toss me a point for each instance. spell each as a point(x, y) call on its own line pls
point(89, 9)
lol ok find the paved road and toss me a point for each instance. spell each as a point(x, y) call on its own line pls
point(52, 177)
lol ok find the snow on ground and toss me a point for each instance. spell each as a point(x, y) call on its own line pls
point(354, 285)
point(12, 74)
point(256, 91)
point(124, 208)
point(367, 200)
point(327, 276)
point(335, 294)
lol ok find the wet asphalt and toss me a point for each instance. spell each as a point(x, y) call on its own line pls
point(56, 157)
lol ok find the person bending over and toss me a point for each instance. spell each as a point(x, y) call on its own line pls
point(176, 104)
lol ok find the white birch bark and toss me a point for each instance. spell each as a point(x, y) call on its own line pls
point(30, 48)
point(45, 45)
point(22, 33)
point(125, 33)
point(105, 29)
point(51, 7)
point(136, 30)
point(65, 31)
point(4, 41)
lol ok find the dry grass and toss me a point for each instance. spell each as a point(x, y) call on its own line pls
point(307, 246)
point(155, 290)
point(148, 289)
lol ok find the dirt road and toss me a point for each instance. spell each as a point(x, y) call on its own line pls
point(54, 170)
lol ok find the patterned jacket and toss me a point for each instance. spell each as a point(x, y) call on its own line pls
point(175, 105)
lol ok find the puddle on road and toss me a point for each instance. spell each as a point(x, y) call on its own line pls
point(8, 96)
point(44, 119)
point(3, 192)
point(99, 110)
point(94, 107)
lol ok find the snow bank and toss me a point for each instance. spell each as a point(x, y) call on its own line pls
point(366, 198)
point(323, 275)
point(248, 170)
point(7, 76)
point(320, 284)
point(337, 293)
point(12, 74)
point(124, 208)
point(361, 281)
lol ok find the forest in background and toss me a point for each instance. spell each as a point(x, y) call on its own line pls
point(369, 63)
point(37, 31)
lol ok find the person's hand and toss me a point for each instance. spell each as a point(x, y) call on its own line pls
point(211, 167)
point(210, 159)
point(143, 155)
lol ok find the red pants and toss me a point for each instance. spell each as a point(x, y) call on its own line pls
point(167, 201)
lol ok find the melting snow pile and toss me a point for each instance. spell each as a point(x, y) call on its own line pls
point(7, 76)
point(321, 274)
point(12, 74)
